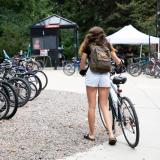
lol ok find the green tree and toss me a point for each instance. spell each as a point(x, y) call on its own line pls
point(16, 17)
point(139, 13)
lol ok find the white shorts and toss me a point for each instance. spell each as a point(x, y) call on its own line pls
point(97, 79)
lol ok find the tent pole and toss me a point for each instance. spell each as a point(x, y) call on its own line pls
point(149, 47)
point(141, 51)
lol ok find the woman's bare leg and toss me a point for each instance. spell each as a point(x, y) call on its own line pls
point(103, 100)
point(91, 95)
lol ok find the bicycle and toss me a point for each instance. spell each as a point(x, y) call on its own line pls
point(20, 85)
point(123, 112)
point(136, 68)
point(70, 68)
point(29, 63)
point(153, 67)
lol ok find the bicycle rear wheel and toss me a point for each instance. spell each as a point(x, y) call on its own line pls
point(129, 122)
point(69, 69)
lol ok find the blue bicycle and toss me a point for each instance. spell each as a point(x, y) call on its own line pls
point(70, 68)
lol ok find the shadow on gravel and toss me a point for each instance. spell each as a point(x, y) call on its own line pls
point(50, 127)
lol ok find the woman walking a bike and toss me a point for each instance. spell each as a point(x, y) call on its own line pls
point(97, 79)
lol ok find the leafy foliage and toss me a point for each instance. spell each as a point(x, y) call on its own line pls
point(17, 16)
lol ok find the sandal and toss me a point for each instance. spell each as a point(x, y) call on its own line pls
point(112, 141)
point(88, 138)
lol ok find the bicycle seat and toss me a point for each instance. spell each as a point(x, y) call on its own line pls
point(119, 80)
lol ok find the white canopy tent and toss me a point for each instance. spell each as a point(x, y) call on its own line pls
point(130, 35)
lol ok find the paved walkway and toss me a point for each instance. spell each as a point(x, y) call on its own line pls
point(144, 93)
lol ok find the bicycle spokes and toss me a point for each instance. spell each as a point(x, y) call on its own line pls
point(129, 122)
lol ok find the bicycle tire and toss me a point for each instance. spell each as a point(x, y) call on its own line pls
point(33, 91)
point(4, 105)
point(134, 70)
point(43, 77)
point(12, 97)
point(31, 77)
point(129, 122)
point(69, 69)
point(22, 99)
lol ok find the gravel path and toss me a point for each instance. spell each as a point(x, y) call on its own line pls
point(50, 127)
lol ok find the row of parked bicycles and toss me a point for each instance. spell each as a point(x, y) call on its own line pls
point(147, 66)
point(21, 80)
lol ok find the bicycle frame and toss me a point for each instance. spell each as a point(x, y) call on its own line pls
point(115, 104)
point(76, 63)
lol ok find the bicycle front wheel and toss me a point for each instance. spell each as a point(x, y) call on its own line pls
point(4, 105)
point(129, 122)
point(22, 88)
point(69, 69)
point(33, 91)
point(134, 70)
point(43, 77)
point(12, 98)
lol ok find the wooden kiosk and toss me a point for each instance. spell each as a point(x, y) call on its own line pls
point(45, 37)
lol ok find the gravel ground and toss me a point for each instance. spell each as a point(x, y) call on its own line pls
point(50, 127)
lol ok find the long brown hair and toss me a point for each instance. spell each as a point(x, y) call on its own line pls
point(95, 35)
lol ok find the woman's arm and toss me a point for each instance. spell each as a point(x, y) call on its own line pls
point(115, 58)
point(83, 61)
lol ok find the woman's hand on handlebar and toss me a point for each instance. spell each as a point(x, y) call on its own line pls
point(83, 72)
point(120, 68)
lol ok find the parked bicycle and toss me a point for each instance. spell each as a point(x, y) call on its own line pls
point(149, 67)
point(18, 85)
point(153, 67)
point(23, 60)
point(70, 68)
point(138, 67)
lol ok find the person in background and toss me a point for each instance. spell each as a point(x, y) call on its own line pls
point(129, 56)
point(120, 52)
